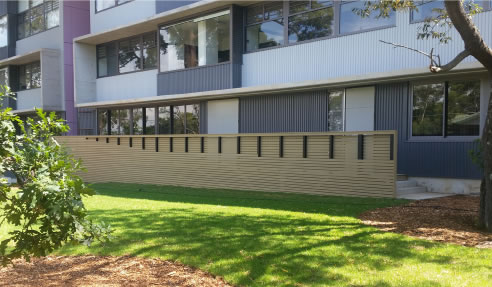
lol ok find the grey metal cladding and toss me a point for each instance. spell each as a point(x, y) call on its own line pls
point(204, 117)
point(429, 159)
point(199, 79)
point(237, 36)
point(296, 112)
point(165, 5)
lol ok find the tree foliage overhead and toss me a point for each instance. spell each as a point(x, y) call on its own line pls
point(45, 207)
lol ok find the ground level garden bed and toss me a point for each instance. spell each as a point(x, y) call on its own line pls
point(251, 239)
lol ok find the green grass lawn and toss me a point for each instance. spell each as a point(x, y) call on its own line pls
point(271, 239)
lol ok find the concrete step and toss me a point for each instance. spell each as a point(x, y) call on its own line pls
point(401, 177)
point(409, 190)
point(406, 183)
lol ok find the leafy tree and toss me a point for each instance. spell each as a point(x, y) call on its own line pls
point(45, 208)
point(457, 14)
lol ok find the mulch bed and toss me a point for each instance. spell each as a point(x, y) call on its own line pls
point(450, 219)
point(104, 271)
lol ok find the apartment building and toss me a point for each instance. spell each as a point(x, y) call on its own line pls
point(143, 67)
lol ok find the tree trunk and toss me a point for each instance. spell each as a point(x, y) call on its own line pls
point(477, 47)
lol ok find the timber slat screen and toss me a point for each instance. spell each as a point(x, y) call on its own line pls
point(338, 163)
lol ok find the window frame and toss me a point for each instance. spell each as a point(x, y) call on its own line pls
point(22, 14)
point(336, 26)
point(115, 5)
point(336, 19)
point(191, 18)
point(117, 42)
point(30, 64)
point(444, 137)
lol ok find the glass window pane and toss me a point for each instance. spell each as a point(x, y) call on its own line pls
point(427, 116)
point(102, 61)
point(311, 25)
point(351, 22)
point(193, 119)
point(149, 51)
point(254, 14)
point(22, 78)
point(150, 121)
point(124, 121)
point(104, 4)
point(137, 121)
point(129, 55)
point(52, 14)
point(464, 108)
point(273, 10)
point(35, 75)
point(427, 10)
point(35, 3)
point(102, 122)
point(37, 20)
point(335, 111)
point(179, 118)
point(23, 25)
point(115, 122)
point(298, 6)
point(22, 5)
point(195, 43)
point(268, 34)
point(3, 31)
point(320, 3)
point(164, 120)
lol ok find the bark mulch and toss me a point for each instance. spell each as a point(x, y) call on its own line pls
point(104, 271)
point(450, 219)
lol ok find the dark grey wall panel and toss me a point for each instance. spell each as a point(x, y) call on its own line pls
point(207, 78)
point(427, 159)
point(204, 117)
point(4, 52)
point(301, 112)
point(165, 5)
point(237, 36)
point(3, 7)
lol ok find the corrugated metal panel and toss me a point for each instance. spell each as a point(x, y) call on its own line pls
point(199, 79)
point(430, 159)
point(237, 33)
point(357, 54)
point(305, 112)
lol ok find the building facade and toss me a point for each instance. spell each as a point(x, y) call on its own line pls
point(217, 67)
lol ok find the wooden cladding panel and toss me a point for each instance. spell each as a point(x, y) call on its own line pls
point(344, 175)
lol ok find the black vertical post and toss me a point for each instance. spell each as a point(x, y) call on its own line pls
point(130, 142)
point(304, 146)
point(238, 145)
point(332, 146)
point(109, 122)
point(258, 146)
point(281, 146)
point(445, 119)
point(144, 120)
point(143, 143)
point(97, 139)
point(156, 144)
point(360, 147)
point(170, 144)
point(118, 141)
point(186, 144)
point(202, 145)
point(107, 140)
point(220, 144)
point(392, 146)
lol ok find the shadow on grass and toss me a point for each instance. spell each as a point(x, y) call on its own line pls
point(264, 247)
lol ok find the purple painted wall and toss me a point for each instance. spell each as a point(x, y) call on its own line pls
point(76, 22)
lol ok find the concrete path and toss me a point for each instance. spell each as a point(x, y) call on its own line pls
point(422, 195)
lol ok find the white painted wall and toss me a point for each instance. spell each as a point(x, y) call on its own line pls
point(359, 109)
point(121, 15)
point(352, 55)
point(223, 116)
point(51, 85)
point(85, 69)
point(127, 86)
point(29, 99)
point(50, 39)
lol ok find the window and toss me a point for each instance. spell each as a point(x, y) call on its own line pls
point(350, 22)
point(335, 110)
point(192, 119)
point(4, 39)
point(129, 55)
point(102, 122)
point(179, 118)
point(310, 20)
point(150, 121)
point(137, 121)
point(115, 122)
point(446, 109)
point(106, 4)
point(265, 26)
point(164, 120)
point(36, 16)
point(427, 10)
point(199, 42)
point(30, 76)
point(124, 121)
